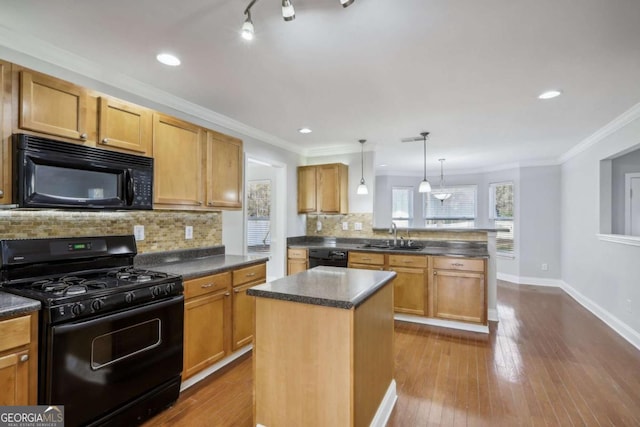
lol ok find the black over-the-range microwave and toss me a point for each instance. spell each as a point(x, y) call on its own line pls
point(53, 174)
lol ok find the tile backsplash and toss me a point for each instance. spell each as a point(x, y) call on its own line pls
point(164, 230)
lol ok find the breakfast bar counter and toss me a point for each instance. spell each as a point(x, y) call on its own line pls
point(323, 348)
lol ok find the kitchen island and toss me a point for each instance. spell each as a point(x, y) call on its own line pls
point(323, 348)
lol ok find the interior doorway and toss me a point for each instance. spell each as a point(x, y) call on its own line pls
point(632, 204)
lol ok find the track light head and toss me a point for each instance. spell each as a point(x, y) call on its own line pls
point(288, 13)
point(346, 3)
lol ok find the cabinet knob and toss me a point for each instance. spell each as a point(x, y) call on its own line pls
point(105, 140)
point(236, 291)
point(435, 273)
point(210, 203)
point(84, 136)
point(24, 357)
point(1, 193)
point(200, 202)
point(226, 294)
point(208, 285)
point(251, 274)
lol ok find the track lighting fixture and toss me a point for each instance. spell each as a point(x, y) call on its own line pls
point(288, 13)
point(362, 188)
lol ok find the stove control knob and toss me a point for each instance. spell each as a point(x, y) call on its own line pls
point(97, 304)
point(155, 291)
point(169, 288)
point(77, 309)
point(128, 297)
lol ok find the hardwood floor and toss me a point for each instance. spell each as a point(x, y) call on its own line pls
point(547, 362)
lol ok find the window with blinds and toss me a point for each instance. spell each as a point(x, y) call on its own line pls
point(501, 207)
point(459, 210)
point(402, 206)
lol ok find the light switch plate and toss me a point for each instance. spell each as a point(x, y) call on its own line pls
point(345, 226)
point(138, 232)
point(188, 232)
point(357, 226)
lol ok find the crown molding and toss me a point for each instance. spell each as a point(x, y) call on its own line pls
point(619, 122)
point(32, 52)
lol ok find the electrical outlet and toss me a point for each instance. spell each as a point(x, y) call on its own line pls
point(545, 267)
point(138, 232)
point(188, 232)
point(357, 226)
point(345, 226)
point(318, 225)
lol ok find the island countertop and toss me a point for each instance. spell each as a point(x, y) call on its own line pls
point(327, 286)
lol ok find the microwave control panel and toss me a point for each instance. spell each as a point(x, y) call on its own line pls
point(142, 188)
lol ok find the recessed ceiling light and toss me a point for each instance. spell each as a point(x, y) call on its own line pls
point(384, 165)
point(550, 94)
point(168, 59)
point(304, 130)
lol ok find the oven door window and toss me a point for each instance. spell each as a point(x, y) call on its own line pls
point(50, 182)
point(124, 343)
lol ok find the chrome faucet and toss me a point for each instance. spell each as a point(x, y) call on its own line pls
point(394, 229)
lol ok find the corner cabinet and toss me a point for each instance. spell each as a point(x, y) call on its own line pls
point(5, 133)
point(224, 171)
point(18, 360)
point(459, 291)
point(178, 152)
point(323, 189)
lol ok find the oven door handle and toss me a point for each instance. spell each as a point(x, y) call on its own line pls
point(129, 188)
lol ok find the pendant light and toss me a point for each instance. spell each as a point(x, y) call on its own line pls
point(287, 11)
point(425, 187)
point(362, 188)
point(441, 195)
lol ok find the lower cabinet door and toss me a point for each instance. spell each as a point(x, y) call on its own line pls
point(243, 312)
point(296, 266)
point(14, 378)
point(409, 290)
point(459, 296)
point(206, 331)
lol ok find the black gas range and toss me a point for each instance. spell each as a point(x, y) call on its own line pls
point(110, 335)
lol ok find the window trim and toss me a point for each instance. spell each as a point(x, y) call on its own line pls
point(493, 218)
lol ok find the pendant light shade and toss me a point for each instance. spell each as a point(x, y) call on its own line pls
point(425, 187)
point(362, 188)
point(247, 28)
point(441, 194)
point(287, 10)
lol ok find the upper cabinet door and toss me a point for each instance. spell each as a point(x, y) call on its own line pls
point(52, 106)
point(332, 188)
point(5, 133)
point(307, 200)
point(178, 151)
point(124, 126)
point(224, 171)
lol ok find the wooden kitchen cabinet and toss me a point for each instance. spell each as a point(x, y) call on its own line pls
point(178, 151)
point(123, 126)
point(19, 360)
point(54, 107)
point(224, 171)
point(297, 260)
point(323, 188)
point(366, 260)
point(207, 322)
point(243, 307)
point(459, 291)
point(411, 283)
point(5, 133)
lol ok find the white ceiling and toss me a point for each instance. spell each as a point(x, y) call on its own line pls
point(468, 71)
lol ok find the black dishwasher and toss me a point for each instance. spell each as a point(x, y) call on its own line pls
point(326, 256)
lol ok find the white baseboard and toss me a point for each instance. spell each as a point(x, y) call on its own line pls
point(523, 280)
point(492, 315)
point(621, 328)
point(383, 413)
point(442, 323)
point(213, 368)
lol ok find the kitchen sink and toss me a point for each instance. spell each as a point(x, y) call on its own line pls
point(406, 248)
point(376, 246)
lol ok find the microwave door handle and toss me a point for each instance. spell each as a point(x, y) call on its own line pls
point(129, 190)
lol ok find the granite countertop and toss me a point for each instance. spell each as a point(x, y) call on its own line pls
point(328, 286)
point(192, 263)
point(13, 305)
point(462, 249)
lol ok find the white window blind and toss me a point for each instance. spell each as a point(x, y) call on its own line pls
point(402, 206)
point(459, 210)
point(501, 205)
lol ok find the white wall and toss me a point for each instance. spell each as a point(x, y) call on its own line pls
point(603, 275)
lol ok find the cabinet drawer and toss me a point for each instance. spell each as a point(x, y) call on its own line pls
point(297, 253)
point(207, 284)
point(445, 263)
point(15, 332)
point(366, 258)
point(250, 274)
point(419, 261)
